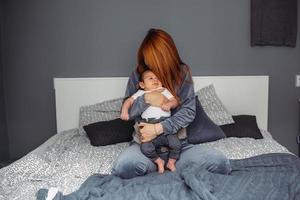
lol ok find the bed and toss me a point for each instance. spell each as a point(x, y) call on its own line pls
point(67, 159)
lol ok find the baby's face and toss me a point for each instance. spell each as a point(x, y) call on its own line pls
point(150, 81)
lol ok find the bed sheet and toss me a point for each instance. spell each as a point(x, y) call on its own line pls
point(67, 159)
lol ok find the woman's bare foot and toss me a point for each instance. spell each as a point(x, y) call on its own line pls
point(160, 165)
point(171, 164)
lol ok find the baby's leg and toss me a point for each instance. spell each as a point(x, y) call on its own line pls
point(148, 149)
point(175, 148)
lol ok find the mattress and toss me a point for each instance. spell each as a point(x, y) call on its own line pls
point(67, 159)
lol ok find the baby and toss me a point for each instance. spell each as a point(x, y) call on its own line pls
point(148, 83)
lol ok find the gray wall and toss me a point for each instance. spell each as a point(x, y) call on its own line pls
point(4, 154)
point(76, 38)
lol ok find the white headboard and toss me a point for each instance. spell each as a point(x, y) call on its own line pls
point(240, 95)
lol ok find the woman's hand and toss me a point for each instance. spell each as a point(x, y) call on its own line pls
point(148, 132)
point(155, 98)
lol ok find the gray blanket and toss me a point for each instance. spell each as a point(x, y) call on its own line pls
point(265, 177)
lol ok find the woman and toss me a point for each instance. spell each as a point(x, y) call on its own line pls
point(159, 54)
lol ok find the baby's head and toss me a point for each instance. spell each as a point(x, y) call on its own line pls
point(149, 81)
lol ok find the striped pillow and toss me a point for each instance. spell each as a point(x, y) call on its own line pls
point(213, 106)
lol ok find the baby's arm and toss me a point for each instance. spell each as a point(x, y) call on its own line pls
point(170, 104)
point(125, 107)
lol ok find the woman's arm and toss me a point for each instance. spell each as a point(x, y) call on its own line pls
point(186, 112)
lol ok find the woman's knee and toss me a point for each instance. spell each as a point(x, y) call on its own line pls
point(128, 169)
point(132, 163)
point(211, 159)
point(219, 163)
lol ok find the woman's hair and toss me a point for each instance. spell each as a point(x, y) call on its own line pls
point(159, 54)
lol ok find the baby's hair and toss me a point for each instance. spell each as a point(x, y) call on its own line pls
point(141, 79)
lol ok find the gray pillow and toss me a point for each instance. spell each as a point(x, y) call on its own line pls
point(104, 111)
point(213, 106)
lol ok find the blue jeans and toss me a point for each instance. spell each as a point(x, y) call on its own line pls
point(132, 162)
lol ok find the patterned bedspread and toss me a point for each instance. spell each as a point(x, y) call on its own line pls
point(69, 159)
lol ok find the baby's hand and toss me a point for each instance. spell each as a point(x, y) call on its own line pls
point(124, 116)
point(166, 107)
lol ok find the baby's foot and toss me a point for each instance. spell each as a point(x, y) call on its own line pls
point(160, 165)
point(171, 164)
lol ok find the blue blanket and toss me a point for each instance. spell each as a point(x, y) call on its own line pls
point(264, 177)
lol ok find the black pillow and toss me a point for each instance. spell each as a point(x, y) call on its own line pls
point(109, 132)
point(203, 129)
point(244, 126)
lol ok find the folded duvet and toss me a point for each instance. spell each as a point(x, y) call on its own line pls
point(267, 177)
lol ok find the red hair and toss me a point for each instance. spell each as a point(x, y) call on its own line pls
point(159, 54)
